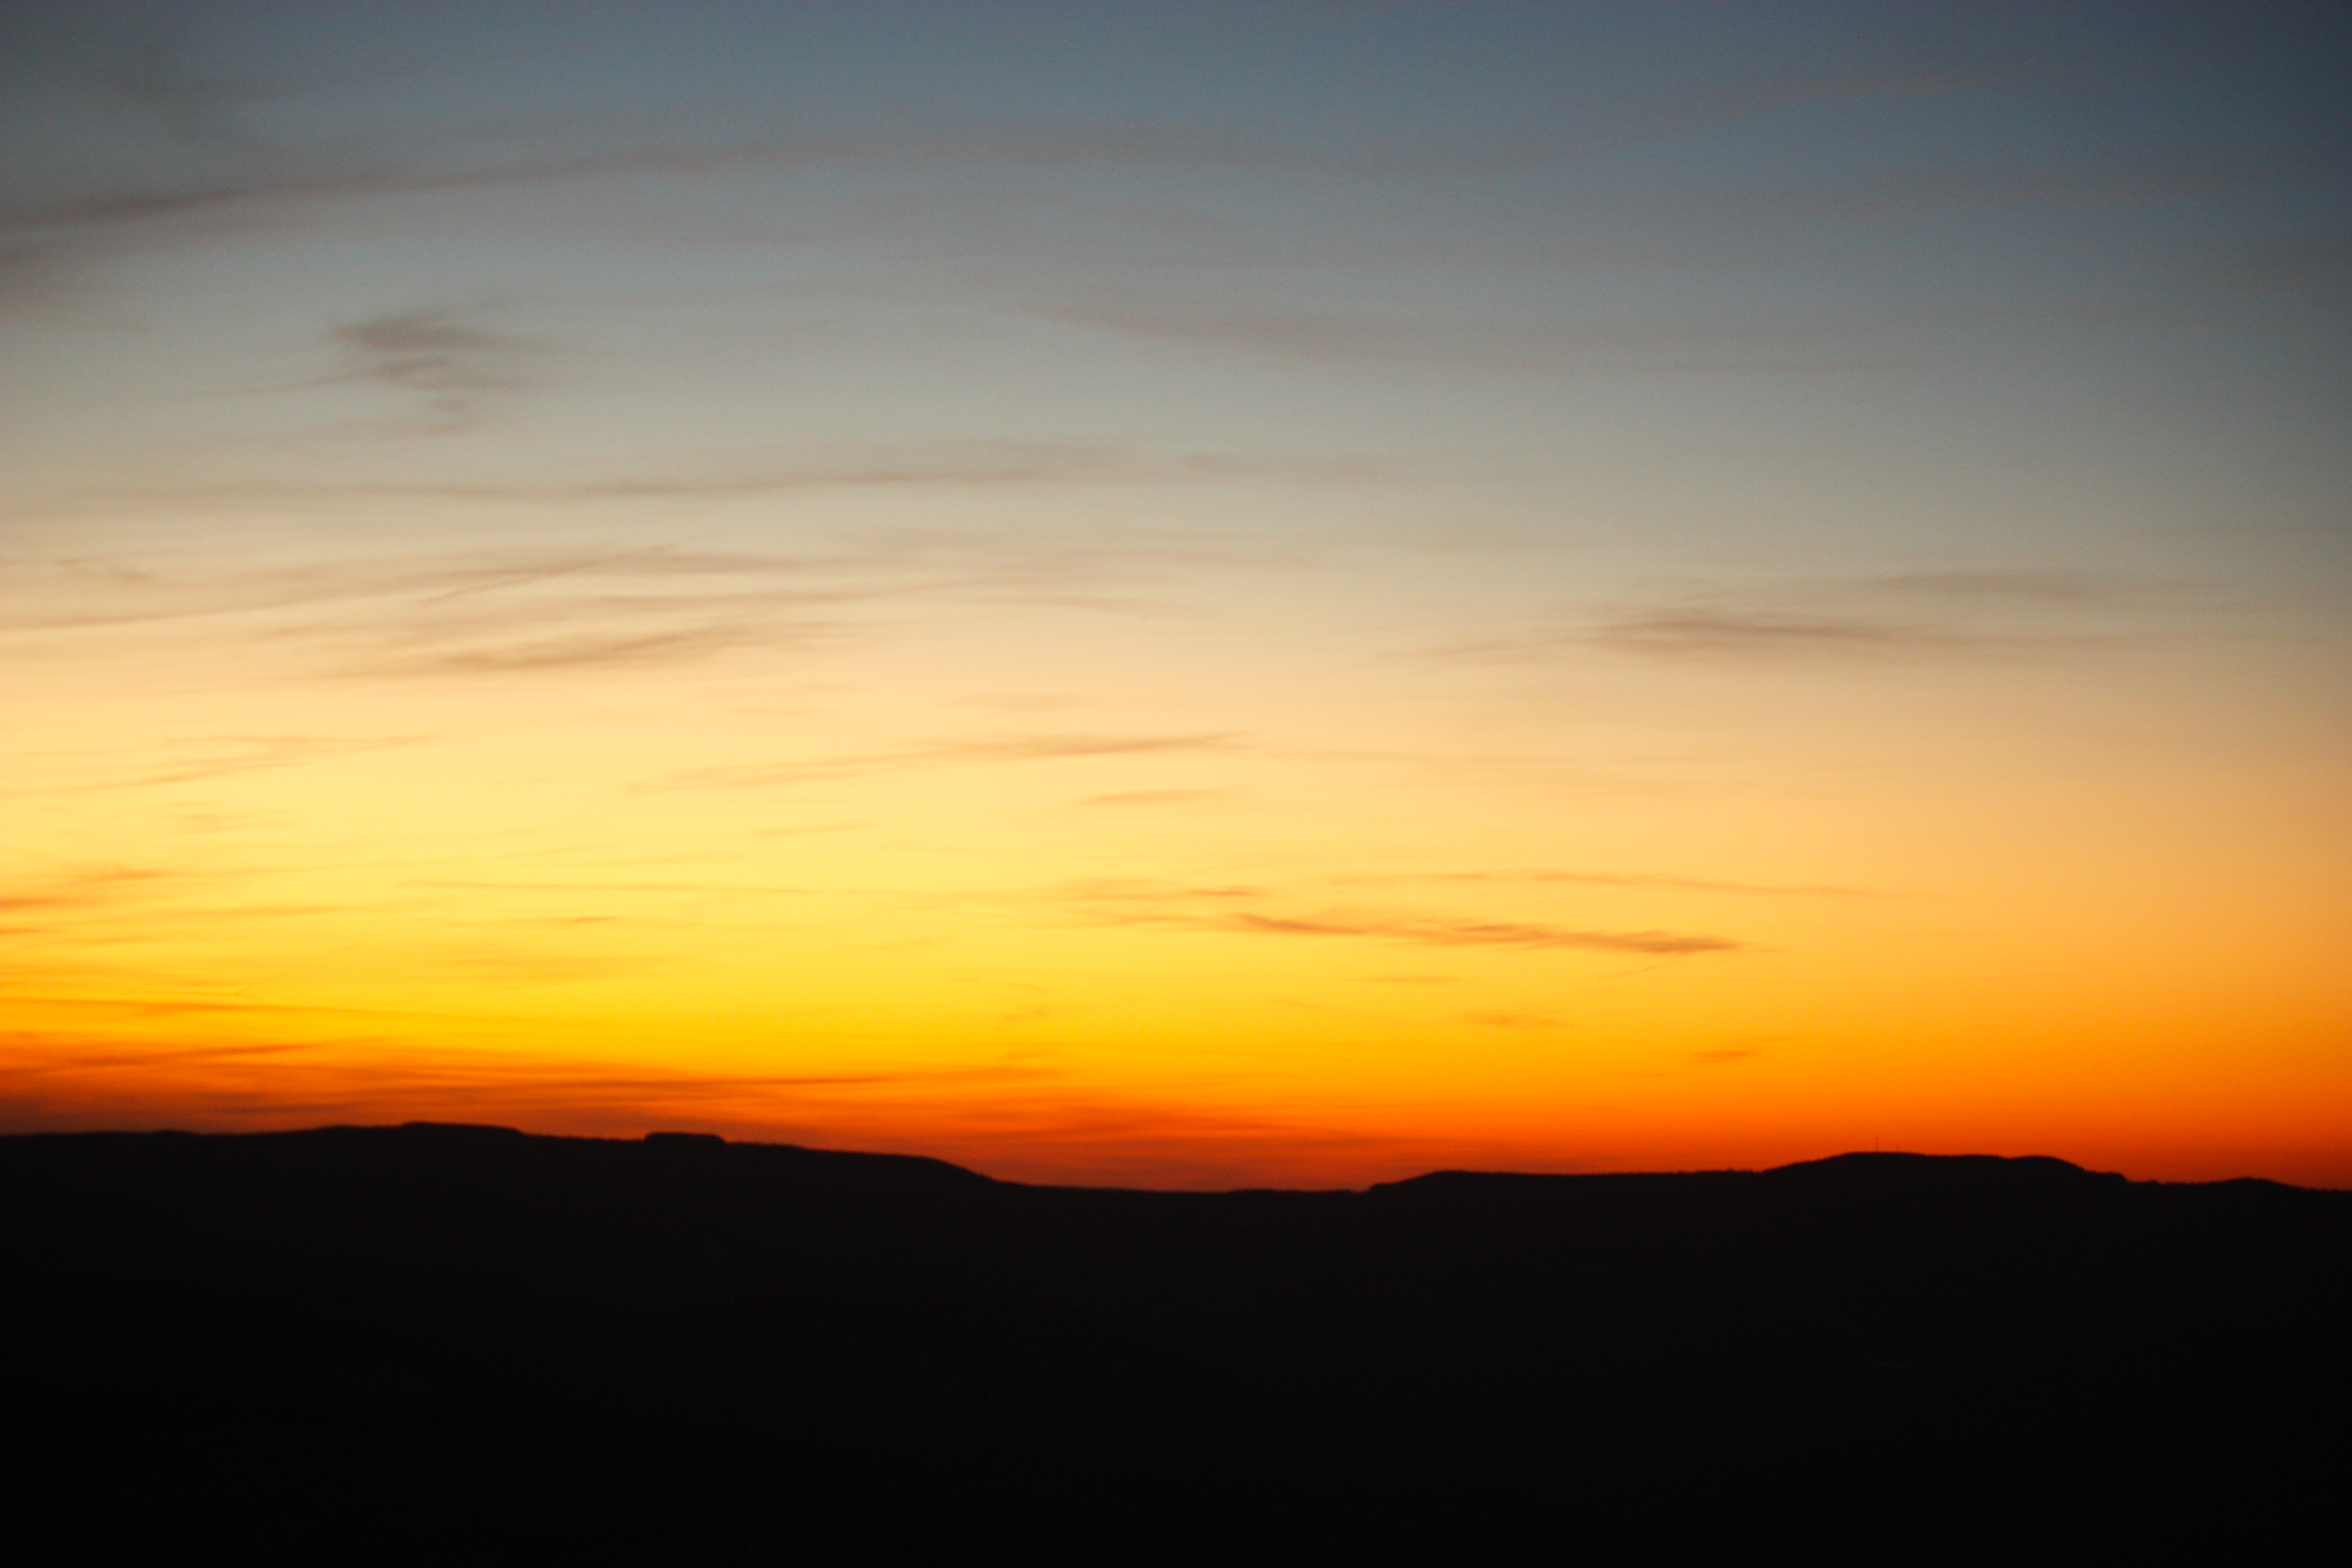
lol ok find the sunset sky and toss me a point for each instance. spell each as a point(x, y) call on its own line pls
point(1192, 594)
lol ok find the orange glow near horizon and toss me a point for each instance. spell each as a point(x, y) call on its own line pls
point(1063, 943)
point(1548, 589)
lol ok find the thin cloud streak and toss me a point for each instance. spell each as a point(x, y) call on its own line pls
point(248, 178)
point(1481, 934)
point(2070, 588)
point(374, 1071)
point(166, 1006)
point(943, 465)
point(950, 754)
point(1637, 880)
point(1155, 797)
point(1333, 337)
point(577, 651)
point(538, 611)
point(1137, 146)
point(1018, 1120)
point(83, 889)
point(1146, 905)
point(1670, 633)
point(2009, 614)
point(212, 758)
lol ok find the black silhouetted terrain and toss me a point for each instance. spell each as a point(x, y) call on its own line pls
point(464, 1340)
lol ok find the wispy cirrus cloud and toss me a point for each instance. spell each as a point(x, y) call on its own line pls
point(1889, 617)
point(1638, 881)
point(2169, 179)
point(192, 760)
point(1024, 1119)
point(1155, 797)
point(1017, 1119)
point(958, 752)
point(135, 1005)
point(1438, 931)
point(1520, 1021)
point(453, 164)
point(945, 464)
point(575, 651)
point(1334, 336)
point(1256, 912)
point(2026, 587)
point(1771, 634)
point(185, 160)
point(53, 1078)
point(189, 104)
point(77, 888)
point(75, 593)
point(515, 611)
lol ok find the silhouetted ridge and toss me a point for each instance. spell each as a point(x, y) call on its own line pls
point(681, 1338)
point(1902, 1169)
point(458, 1129)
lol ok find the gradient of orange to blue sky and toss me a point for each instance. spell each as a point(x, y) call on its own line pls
point(1186, 593)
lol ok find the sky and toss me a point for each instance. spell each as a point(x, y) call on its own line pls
point(1185, 595)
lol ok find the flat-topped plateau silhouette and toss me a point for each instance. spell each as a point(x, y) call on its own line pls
point(463, 1335)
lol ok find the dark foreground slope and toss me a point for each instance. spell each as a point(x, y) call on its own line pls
point(452, 1338)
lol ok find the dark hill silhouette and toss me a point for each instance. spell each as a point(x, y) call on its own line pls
point(443, 1338)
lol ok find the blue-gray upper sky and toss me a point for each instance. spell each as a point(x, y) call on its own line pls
point(1839, 510)
point(2110, 240)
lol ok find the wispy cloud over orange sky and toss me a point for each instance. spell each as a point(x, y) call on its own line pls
point(1195, 593)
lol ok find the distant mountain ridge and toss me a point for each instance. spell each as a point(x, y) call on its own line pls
point(686, 1339)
